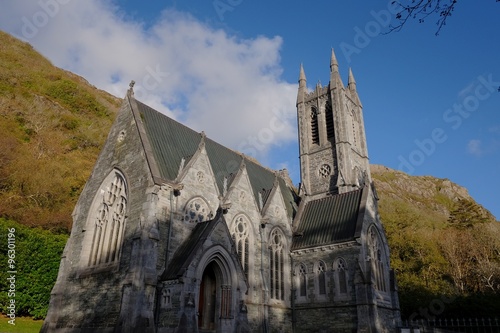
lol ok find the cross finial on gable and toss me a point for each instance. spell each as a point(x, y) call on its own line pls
point(131, 88)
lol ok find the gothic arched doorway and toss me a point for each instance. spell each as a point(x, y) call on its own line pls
point(214, 299)
point(207, 303)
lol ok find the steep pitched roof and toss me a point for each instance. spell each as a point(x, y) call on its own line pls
point(170, 142)
point(183, 256)
point(330, 220)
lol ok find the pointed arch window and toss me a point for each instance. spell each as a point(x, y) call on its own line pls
point(277, 257)
point(377, 259)
point(341, 277)
point(330, 129)
point(314, 125)
point(240, 234)
point(321, 277)
point(108, 217)
point(196, 210)
point(302, 280)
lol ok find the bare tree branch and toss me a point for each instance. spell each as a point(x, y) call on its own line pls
point(420, 10)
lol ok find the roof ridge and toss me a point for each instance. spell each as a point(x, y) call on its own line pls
point(202, 133)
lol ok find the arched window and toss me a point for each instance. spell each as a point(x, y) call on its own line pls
point(240, 234)
point(341, 277)
point(377, 259)
point(314, 125)
point(108, 214)
point(330, 129)
point(302, 285)
point(321, 277)
point(196, 210)
point(166, 297)
point(277, 257)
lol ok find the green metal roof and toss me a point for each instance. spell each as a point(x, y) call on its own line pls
point(171, 142)
point(329, 220)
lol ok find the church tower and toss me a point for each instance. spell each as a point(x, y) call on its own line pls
point(332, 142)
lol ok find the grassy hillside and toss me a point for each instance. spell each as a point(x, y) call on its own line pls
point(53, 124)
point(444, 247)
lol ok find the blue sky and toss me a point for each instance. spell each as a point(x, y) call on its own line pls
point(230, 68)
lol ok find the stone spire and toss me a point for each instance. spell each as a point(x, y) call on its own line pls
point(334, 65)
point(302, 85)
point(335, 80)
point(302, 76)
point(351, 85)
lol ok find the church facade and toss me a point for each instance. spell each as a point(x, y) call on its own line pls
point(174, 232)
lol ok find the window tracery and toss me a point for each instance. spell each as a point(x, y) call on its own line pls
point(302, 280)
point(341, 277)
point(321, 277)
point(196, 210)
point(109, 219)
point(277, 247)
point(375, 252)
point(240, 234)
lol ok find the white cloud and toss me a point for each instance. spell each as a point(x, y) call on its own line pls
point(474, 147)
point(227, 86)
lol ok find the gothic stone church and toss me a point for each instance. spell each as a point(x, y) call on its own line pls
point(174, 232)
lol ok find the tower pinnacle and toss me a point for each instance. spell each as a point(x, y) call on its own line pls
point(302, 85)
point(302, 76)
point(335, 80)
point(351, 83)
point(334, 65)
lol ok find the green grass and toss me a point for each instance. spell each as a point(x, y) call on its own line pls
point(23, 325)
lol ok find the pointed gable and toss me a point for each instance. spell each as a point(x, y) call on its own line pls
point(171, 142)
point(183, 257)
point(330, 220)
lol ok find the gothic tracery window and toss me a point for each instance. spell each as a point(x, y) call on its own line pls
point(109, 219)
point(302, 285)
point(196, 210)
point(240, 234)
point(341, 276)
point(277, 257)
point(375, 252)
point(321, 277)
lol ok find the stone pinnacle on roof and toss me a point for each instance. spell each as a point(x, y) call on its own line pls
point(351, 85)
point(302, 76)
point(334, 65)
point(335, 80)
point(351, 82)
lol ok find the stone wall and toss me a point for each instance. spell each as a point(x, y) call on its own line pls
point(96, 292)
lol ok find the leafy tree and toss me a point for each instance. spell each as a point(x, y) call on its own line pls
point(37, 257)
point(466, 214)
